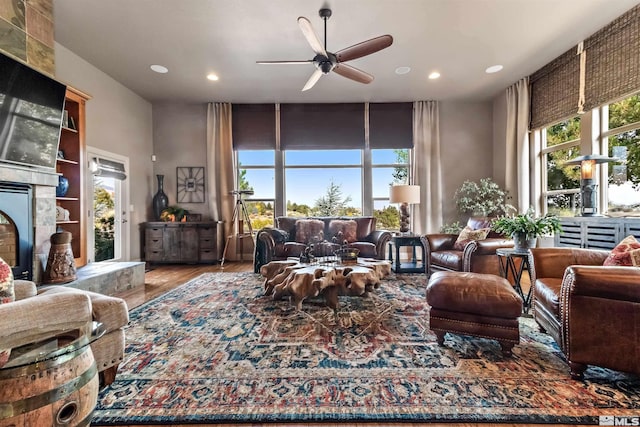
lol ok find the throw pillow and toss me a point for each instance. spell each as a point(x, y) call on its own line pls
point(468, 234)
point(348, 227)
point(6, 295)
point(626, 253)
point(309, 230)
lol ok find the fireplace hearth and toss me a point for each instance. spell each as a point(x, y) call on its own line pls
point(16, 228)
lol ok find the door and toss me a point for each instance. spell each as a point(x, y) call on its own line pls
point(108, 189)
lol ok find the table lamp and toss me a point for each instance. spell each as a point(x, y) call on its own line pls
point(404, 194)
point(588, 186)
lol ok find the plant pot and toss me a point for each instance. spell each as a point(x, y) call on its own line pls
point(522, 244)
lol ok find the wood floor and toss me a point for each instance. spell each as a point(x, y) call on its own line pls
point(161, 279)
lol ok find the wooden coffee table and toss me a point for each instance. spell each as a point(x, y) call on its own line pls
point(329, 280)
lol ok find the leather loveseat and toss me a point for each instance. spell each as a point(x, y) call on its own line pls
point(290, 236)
point(592, 311)
point(476, 256)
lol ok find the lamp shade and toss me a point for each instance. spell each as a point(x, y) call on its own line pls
point(404, 194)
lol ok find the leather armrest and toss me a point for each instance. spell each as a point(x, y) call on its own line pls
point(272, 236)
point(440, 242)
point(617, 283)
point(489, 246)
point(44, 316)
point(552, 262)
point(380, 238)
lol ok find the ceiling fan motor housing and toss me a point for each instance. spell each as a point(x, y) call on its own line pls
point(325, 63)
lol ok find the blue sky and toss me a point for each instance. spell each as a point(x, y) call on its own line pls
point(306, 185)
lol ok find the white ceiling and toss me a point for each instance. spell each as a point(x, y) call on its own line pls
point(458, 38)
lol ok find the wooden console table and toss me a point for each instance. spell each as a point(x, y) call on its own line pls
point(181, 242)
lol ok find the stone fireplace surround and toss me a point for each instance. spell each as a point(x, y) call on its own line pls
point(43, 183)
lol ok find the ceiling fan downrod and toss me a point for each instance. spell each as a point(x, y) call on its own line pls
point(325, 14)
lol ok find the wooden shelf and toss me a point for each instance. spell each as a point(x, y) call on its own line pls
point(72, 146)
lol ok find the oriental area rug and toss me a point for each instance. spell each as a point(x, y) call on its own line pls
point(217, 350)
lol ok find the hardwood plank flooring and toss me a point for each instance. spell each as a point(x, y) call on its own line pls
point(162, 278)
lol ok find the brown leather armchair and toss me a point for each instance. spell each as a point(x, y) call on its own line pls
point(478, 256)
point(592, 312)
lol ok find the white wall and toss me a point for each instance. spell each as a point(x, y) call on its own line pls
point(118, 121)
point(179, 140)
point(499, 139)
point(466, 138)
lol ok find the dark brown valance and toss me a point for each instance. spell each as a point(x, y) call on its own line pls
point(613, 61)
point(555, 90)
point(321, 126)
point(254, 126)
point(391, 125)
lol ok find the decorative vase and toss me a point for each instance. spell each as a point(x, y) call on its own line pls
point(160, 200)
point(63, 186)
point(521, 243)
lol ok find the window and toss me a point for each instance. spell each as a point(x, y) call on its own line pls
point(621, 131)
point(256, 171)
point(388, 167)
point(561, 185)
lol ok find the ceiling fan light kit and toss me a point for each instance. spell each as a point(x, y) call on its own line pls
point(326, 62)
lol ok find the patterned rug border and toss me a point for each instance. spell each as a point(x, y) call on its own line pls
point(251, 417)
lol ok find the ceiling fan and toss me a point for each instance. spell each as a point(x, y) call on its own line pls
point(326, 61)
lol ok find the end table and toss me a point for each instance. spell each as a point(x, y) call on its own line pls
point(508, 265)
point(407, 240)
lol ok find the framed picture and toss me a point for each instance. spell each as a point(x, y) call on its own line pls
point(190, 184)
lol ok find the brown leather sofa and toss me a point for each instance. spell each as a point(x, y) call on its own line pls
point(592, 312)
point(478, 256)
point(290, 236)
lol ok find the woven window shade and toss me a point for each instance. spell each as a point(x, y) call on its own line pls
point(555, 90)
point(391, 125)
point(321, 126)
point(613, 60)
point(254, 126)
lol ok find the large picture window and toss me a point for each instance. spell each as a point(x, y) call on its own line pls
point(621, 131)
point(561, 184)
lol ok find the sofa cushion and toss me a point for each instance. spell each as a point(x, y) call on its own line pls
point(626, 253)
point(6, 296)
point(468, 234)
point(309, 230)
point(348, 227)
point(367, 250)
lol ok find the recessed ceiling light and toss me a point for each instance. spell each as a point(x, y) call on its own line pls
point(403, 70)
point(434, 75)
point(159, 69)
point(493, 69)
point(212, 77)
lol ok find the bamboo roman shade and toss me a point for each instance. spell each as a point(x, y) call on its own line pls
point(391, 125)
point(613, 61)
point(254, 126)
point(610, 70)
point(555, 89)
point(321, 126)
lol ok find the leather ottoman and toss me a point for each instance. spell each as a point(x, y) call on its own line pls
point(481, 305)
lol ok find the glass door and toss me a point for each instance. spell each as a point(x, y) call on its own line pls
point(108, 233)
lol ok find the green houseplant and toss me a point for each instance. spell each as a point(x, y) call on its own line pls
point(526, 227)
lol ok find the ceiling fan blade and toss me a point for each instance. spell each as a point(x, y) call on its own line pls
point(313, 79)
point(353, 73)
point(310, 35)
point(365, 48)
point(309, 61)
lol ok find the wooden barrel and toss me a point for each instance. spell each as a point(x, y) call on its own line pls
point(59, 391)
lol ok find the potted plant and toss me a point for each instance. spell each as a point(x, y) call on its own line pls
point(526, 228)
point(483, 198)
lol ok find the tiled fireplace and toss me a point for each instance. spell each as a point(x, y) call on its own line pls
point(41, 184)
